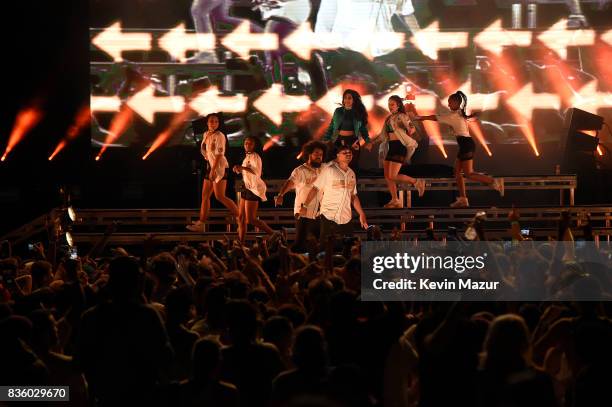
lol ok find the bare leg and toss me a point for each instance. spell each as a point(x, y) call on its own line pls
point(251, 217)
point(207, 190)
point(219, 188)
point(394, 174)
point(459, 179)
point(468, 171)
point(200, 12)
point(242, 225)
point(282, 29)
point(390, 183)
point(203, 10)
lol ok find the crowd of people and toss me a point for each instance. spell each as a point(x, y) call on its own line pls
point(228, 324)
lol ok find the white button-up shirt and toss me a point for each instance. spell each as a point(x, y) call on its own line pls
point(338, 188)
point(253, 182)
point(213, 145)
point(456, 121)
point(303, 178)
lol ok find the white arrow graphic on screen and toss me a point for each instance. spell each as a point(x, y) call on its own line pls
point(242, 40)
point(558, 38)
point(146, 104)
point(494, 38)
point(178, 41)
point(430, 40)
point(369, 44)
point(114, 42)
point(525, 101)
point(588, 98)
point(303, 41)
point(274, 102)
point(212, 101)
point(607, 37)
point(105, 103)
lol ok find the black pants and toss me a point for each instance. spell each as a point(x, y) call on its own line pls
point(303, 228)
point(329, 228)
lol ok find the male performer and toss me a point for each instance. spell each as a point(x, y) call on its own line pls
point(207, 14)
point(302, 179)
point(357, 21)
point(338, 184)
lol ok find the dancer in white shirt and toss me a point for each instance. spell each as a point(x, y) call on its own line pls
point(302, 179)
point(457, 119)
point(254, 190)
point(216, 168)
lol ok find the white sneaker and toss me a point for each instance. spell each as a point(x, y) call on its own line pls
point(576, 21)
point(498, 185)
point(196, 227)
point(461, 202)
point(205, 57)
point(420, 186)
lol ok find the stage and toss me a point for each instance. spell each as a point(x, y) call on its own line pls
point(132, 226)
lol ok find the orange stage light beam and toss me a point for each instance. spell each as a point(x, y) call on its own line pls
point(273, 140)
point(118, 126)
point(433, 129)
point(476, 130)
point(81, 120)
point(601, 55)
point(558, 78)
point(505, 77)
point(60, 146)
point(164, 136)
point(26, 119)
point(527, 129)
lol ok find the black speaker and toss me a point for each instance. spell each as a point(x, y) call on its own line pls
point(580, 147)
point(576, 119)
point(581, 142)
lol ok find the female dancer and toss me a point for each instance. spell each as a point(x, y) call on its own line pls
point(215, 173)
point(399, 132)
point(254, 190)
point(349, 122)
point(457, 119)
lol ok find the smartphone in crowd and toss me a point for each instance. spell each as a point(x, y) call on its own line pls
point(32, 246)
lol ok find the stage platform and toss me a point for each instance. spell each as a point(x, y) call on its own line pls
point(168, 225)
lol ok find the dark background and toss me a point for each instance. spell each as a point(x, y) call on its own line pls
point(46, 62)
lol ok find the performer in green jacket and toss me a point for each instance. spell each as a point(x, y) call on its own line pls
point(349, 124)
